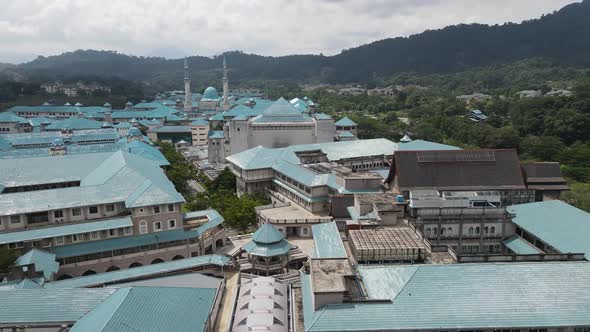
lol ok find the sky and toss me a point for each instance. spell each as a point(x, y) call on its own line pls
point(174, 29)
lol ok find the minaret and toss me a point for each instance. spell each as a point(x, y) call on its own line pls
point(225, 81)
point(188, 100)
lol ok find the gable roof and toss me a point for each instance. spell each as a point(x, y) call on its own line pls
point(42, 260)
point(267, 233)
point(558, 224)
point(544, 176)
point(281, 111)
point(74, 123)
point(457, 170)
point(345, 122)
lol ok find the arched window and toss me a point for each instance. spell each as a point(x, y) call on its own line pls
point(485, 230)
point(492, 230)
point(143, 227)
point(470, 231)
point(434, 231)
point(428, 231)
point(477, 230)
point(449, 231)
point(442, 231)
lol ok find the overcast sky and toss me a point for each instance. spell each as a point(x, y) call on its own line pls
point(268, 27)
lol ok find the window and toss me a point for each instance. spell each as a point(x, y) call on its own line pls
point(110, 207)
point(449, 231)
point(14, 219)
point(112, 232)
point(143, 227)
point(476, 230)
point(156, 209)
point(76, 212)
point(76, 238)
point(470, 232)
point(59, 240)
point(434, 231)
point(485, 230)
point(170, 207)
point(93, 209)
point(157, 226)
point(428, 231)
point(58, 214)
point(442, 231)
point(492, 230)
point(94, 235)
point(171, 223)
point(304, 230)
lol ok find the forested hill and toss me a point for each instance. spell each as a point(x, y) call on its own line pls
point(561, 37)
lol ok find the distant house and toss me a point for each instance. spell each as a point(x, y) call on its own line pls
point(477, 116)
point(529, 93)
point(73, 90)
point(474, 97)
point(558, 93)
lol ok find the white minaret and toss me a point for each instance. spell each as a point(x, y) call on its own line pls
point(188, 100)
point(225, 81)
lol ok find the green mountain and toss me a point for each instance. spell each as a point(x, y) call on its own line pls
point(560, 37)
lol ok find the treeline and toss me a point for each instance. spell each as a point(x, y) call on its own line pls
point(560, 37)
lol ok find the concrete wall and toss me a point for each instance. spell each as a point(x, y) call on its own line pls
point(199, 134)
point(239, 136)
point(324, 130)
point(282, 136)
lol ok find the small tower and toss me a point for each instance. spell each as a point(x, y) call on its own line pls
point(188, 100)
point(57, 147)
point(225, 81)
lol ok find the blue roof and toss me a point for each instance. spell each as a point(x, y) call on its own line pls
point(37, 306)
point(148, 309)
point(123, 125)
point(10, 117)
point(91, 247)
point(520, 246)
point(346, 134)
point(210, 94)
point(459, 296)
point(63, 230)
point(140, 272)
point(216, 134)
point(74, 123)
point(322, 116)
point(560, 225)
point(171, 129)
point(199, 122)
point(328, 243)
point(104, 178)
point(419, 145)
point(42, 260)
point(281, 111)
point(345, 122)
point(267, 250)
point(267, 233)
point(58, 110)
point(216, 117)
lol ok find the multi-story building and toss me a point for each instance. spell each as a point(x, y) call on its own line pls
point(279, 125)
point(99, 212)
point(10, 123)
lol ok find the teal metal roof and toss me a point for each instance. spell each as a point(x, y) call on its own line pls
point(58, 110)
point(461, 296)
point(92, 247)
point(74, 123)
point(10, 117)
point(149, 309)
point(139, 272)
point(419, 145)
point(42, 260)
point(148, 151)
point(216, 117)
point(199, 122)
point(22, 284)
point(560, 225)
point(345, 122)
point(74, 228)
point(243, 111)
point(171, 129)
point(346, 134)
point(267, 250)
point(281, 111)
point(328, 243)
point(210, 94)
point(216, 134)
point(520, 246)
point(104, 178)
point(37, 306)
point(123, 125)
point(267, 233)
point(322, 116)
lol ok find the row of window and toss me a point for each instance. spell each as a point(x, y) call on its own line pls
point(449, 231)
point(156, 208)
point(157, 226)
point(5, 129)
point(369, 165)
point(95, 235)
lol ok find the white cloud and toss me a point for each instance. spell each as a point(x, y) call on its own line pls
point(268, 27)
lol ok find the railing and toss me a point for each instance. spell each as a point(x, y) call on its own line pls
point(495, 258)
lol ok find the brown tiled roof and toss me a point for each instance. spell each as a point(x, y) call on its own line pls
point(544, 176)
point(457, 170)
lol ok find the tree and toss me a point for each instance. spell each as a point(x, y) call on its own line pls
point(226, 180)
point(7, 258)
point(545, 148)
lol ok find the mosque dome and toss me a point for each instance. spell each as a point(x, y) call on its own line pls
point(210, 93)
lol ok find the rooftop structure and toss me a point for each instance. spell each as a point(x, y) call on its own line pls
point(387, 244)
point(553, 226)
point(545, 178)
point(262, 305)
point(328, 243)
point(432, 297)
